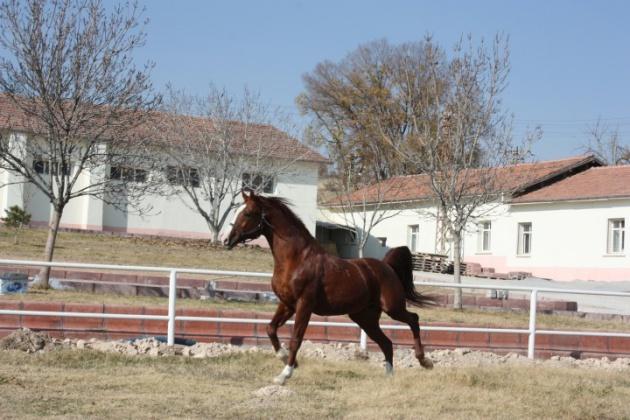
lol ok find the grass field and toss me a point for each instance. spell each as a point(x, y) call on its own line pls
point(83, 384)
point(109, 249)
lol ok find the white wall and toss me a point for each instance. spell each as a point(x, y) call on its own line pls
point(173, 217)
point(569, 241)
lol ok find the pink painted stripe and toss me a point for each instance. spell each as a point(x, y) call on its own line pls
point(500, 265)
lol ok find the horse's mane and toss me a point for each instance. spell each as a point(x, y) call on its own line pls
point(282, 204)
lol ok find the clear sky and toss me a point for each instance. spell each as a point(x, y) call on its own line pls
point(570, 59)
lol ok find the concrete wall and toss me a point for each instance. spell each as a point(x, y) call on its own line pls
point(173, 216)
point(569, 241)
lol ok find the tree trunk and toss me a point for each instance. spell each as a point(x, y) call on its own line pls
point(53, 229)
point(457, 298)
point(214, 235)
point(442, 230)
point(361, 245)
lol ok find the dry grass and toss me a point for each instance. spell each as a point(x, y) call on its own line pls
point(108, 249)
point(468, 317)
point(89, 384)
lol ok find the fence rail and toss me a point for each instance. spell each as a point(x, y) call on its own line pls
point(171, 317)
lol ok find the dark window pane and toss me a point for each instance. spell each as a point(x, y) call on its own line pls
point(115, 173)
point(65, 168)
point(171, 175)
point(194, 178)
point(141, 175)
point(39, 166)
point(128, 174)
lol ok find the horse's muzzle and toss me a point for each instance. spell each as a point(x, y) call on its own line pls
point(230, 242)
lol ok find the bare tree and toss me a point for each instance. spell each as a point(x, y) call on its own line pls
point(219, 144)
point(463, 140)
point(606, 144)
point(77, 102)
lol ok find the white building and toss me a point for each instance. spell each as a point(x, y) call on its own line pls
point(564, 220)
point(170, 216)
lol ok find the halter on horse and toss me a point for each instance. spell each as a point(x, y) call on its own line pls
point(308, 280)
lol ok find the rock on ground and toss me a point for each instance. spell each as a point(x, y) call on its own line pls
point(27, 341)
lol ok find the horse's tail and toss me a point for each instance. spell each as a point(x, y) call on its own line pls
point(400, 260)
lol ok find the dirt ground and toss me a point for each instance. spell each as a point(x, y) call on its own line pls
point(32, 342)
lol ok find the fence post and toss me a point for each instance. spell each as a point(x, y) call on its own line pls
point(172, 296)
point(531, 343)
point(363, 341)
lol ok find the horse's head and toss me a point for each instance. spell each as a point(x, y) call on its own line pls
point(249, 221)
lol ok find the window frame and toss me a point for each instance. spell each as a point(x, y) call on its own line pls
point(482, 230)
point(522, 233)
point(611, 230)
point(413, 236)
point(256, 180)
point(43, 166)
point(128, 174)
point(175, 176)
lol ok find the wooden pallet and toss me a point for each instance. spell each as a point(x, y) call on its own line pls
point(434, 263)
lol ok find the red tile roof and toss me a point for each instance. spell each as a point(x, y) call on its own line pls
point(513, 178)
point(594, 183)
point(277, 143)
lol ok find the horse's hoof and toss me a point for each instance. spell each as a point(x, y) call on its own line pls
point(389, 369)
point(426, 363)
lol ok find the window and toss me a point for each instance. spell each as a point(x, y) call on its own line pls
point(484, 235)
point(181, 176)
point(121, 173)
point(42, 167)
point(524, 239)
point(616, 235)
point(382, 241)
point(259, 182)
point(412, 237)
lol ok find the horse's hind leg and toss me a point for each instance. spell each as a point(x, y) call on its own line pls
point(411, 319)
point(368, 321)
point(282, 315)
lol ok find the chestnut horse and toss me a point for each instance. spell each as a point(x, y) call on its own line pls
point(308, 280)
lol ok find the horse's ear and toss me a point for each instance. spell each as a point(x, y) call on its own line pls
point(247, 194)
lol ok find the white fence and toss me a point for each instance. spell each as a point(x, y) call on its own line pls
point(171, 317)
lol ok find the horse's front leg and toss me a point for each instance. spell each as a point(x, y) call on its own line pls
point(282, 315)
point(302, 316)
